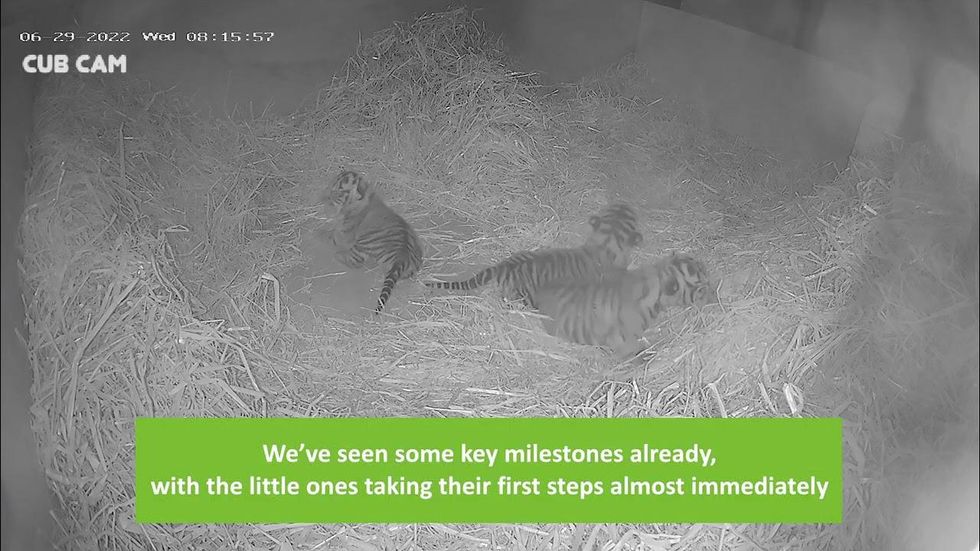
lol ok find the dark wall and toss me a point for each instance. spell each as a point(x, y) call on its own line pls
point(773, 95)
point(26, 503)
point(563, 40)
point(921, 56)
point(812, 75)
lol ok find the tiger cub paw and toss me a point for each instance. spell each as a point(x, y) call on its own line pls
point(630, 350)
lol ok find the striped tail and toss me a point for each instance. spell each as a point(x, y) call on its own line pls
point(481, 278)
point(394, 274)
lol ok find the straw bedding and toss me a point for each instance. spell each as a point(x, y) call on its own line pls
point(158, 247)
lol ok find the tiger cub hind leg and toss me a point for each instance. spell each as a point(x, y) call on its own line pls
point(607, 311)
point(615, 309)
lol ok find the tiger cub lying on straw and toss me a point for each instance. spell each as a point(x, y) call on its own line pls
point(615, 309)
point(368, 232)
point(610, 244)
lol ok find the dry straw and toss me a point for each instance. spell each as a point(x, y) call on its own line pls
point(156, 246)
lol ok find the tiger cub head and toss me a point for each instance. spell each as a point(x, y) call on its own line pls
point(684, 281)
point(615, 230)
point(349, 188)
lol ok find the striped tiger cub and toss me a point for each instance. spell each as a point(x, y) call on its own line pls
point(368, 232)
point(610, 244)
point(616, 309)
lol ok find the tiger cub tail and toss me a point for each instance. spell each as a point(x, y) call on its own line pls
point(478, 280)
point(613, 237)
point(391, 278)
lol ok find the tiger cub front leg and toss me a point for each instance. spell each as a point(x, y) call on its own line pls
point(345, 249)
point(351, 253)
point(351, 257)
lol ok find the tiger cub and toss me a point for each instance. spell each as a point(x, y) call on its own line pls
point(368, 232)
point(615, 309)
point(610, 244)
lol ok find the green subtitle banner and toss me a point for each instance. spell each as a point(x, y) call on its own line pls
point(528, 470)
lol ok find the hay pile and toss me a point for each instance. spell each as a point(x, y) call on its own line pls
point(436, 101)
point(156, 244)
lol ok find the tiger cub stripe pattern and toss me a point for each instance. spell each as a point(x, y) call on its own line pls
point(610, 244)
point(616, 309)
point(368, 232)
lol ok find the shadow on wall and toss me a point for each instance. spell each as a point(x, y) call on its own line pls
point(790, 102)
point(921, 59)
point(789, 22)
point(563, 40)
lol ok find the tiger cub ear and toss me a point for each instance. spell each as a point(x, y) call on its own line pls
point(346, 179)
point(669, 285)
point(708, 294)
point(362, 188)
point(635, 239)
point(638, 290)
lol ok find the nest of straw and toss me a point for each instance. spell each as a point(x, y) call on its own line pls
point(156, 245)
